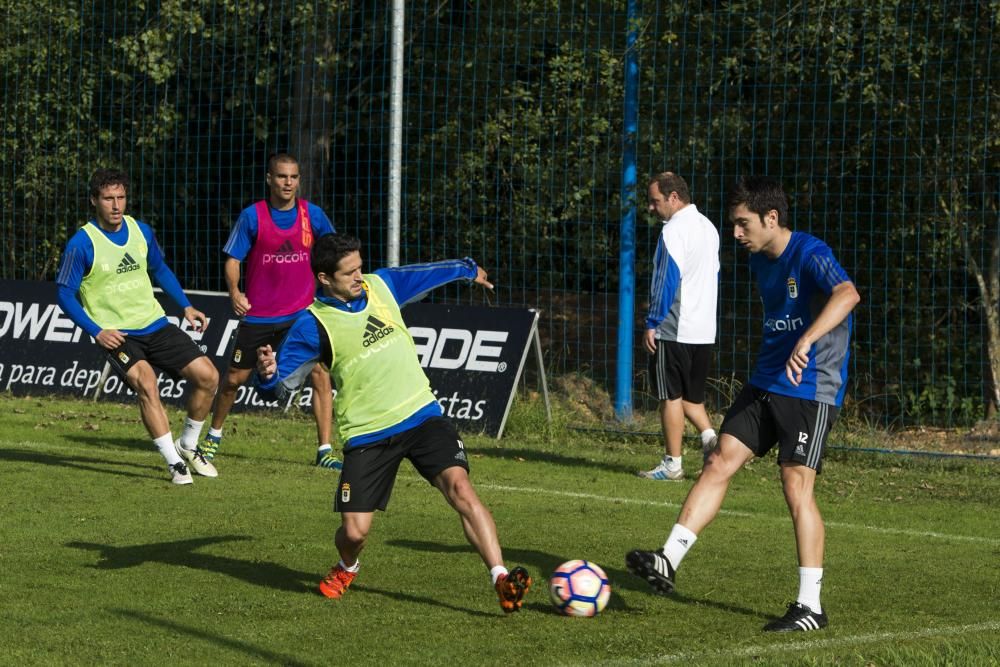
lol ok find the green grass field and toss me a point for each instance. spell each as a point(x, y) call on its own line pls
point(104, 562)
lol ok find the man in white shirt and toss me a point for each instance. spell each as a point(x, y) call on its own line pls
point(681, 323)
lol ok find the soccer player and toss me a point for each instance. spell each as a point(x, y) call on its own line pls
point(274, 236)
point(791, 400)
point(680, 326)
point(108, 263)
point(385, 408)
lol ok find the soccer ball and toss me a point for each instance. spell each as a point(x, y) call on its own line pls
point(579, 588)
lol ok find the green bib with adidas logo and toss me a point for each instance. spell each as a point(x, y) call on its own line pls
point(117, 292)
point(375, 369)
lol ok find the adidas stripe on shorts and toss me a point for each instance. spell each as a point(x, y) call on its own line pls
point(799, 427)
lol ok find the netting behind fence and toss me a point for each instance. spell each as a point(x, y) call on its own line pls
point(879, 117)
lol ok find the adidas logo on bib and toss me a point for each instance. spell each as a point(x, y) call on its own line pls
point(375, 330)
point(127, 264)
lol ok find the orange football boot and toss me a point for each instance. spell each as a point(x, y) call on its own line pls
point(511, 589)
point(336, 582)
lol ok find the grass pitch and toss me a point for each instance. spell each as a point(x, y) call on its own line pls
point(103, 561)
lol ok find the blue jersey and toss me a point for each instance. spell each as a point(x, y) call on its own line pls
point(794, 288)
point(244, 234)
point(304, 344)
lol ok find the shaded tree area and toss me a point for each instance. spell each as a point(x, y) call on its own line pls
point(879, 117)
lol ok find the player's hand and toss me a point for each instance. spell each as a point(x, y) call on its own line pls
point(241, 305)
point(649, 341)
point(481, 278)
point(110, 339)
point(267, 364)
point(195, 318)
point(797, 362)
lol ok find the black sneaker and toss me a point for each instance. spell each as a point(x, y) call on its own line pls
point(798, 618)
point(652, 566)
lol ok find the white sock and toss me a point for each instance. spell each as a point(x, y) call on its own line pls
point(215, 432)
point(810, 581)
point(325, 447)
point(353, 568)
point(496, 571)
point(189, 436)
point(707, 436)
point(165, 445)
point(672, 463)
point(676, 547)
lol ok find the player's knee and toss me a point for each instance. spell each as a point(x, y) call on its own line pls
point(463, 497)
point(143, 383)
point(721, 466)
point(204, 374)
point(212, 379)
point(354, 534)
point(234, 379)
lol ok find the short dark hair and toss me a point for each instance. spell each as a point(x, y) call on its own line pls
point(329, 250)
point(103, 178)
point(760, 194)
point(275, 158)
point(668, 182)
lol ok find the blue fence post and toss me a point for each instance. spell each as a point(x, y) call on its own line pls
point(626, 267)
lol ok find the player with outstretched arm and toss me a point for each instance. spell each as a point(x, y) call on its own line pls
point(385, 409)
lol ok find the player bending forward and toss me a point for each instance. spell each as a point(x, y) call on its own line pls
point(385, 409)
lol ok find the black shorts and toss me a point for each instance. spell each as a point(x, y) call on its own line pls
point(370, 470)
point(679, 370)
point(760, 419)
point(250, 336)
point(168, 349)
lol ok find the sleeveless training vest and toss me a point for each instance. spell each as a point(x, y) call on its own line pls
point(117, 293)
point(375, 367)
point(279, 279)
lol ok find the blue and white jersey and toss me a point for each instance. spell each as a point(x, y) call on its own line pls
point(794, 288)
point(685, 287)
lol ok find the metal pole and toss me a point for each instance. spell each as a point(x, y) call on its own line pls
point(626, 265)
point(396, 131)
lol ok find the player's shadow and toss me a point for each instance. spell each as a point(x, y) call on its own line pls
point(107, 466)
point(184, 553)
point(540, 564)
point(180, 630)
point(144, 445)
point(552, 457)
point(406, 597)
point(103, 441)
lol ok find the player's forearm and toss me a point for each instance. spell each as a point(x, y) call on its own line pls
point(231, 271)
point(413, 280)
point(295, 359)
point(66, 297)
point(842, 301)
point(168, 282)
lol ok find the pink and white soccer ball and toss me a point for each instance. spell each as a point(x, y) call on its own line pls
point(579, 588)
